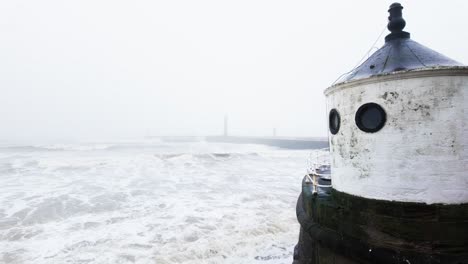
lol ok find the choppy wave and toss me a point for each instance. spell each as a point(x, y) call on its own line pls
point(207, 156)
point(172, 203)
point(153, 144)
point(45, 148)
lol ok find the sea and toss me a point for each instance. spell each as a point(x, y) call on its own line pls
point(149, 201)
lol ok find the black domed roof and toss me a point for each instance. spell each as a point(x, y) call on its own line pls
point(399, 52)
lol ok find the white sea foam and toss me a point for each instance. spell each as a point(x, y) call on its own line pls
point(149, 202)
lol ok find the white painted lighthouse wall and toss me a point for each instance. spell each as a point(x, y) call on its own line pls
point(420, 155)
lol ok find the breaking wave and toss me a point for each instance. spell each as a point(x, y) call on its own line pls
point(148, 202)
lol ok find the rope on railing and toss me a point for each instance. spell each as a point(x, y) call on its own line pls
point(314, 181)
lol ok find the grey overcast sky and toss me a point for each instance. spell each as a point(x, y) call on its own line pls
point(110, 69)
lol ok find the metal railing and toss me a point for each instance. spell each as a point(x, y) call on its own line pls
point(319, 168)
point(312, 178)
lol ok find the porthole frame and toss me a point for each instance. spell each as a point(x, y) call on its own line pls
point(334, 130)
point(365, 107)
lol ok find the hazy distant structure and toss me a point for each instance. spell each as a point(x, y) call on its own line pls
point(225, 133)
point(398, 134)
point(274, 132)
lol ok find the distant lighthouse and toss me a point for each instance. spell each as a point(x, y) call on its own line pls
point(225, 132)
point(398, 134)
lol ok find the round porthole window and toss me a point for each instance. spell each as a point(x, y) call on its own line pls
point(334, 121)
point(370, 117)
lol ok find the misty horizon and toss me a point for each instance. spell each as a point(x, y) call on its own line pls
point(109, 70)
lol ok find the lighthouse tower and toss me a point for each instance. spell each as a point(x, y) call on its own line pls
point(398, 134)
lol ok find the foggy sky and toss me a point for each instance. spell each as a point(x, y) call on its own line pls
point(106, 69)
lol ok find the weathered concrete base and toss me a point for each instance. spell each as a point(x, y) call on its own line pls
point(346, 229)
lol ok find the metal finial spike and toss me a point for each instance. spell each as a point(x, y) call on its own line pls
point(396, 23)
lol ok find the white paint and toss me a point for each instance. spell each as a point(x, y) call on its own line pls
point(420, 155)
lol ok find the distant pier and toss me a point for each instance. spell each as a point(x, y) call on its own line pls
point(280, 142)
